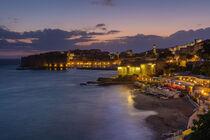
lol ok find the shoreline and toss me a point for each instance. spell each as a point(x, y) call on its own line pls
point(173, 114)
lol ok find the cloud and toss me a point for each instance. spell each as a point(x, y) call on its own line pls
point(100, 25)
point(113, 32)
point(103, 3)
point(26, 40)
point(141, 42)
point(103, 33)
point(56, 39)
point(18, 53)
point(47, 39)
point(104, 29)
point(3, 27)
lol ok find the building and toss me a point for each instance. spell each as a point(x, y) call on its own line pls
point(147, 69)
point(190, 48)
point(154, 50)
point(199, 80)
point(128, 70)
point(178, 84)
point(93, 64)
point(126, 54)
point(70, 56)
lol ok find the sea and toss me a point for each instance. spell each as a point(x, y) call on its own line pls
point(52, 105)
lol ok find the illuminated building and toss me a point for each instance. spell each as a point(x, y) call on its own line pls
point(154, 50)
point(93, 64)
point(123, 71)
point(118, 55)
point(204, 81)
point(177, 84)
point(126, 54)
point(142, 69)
point(183, 63)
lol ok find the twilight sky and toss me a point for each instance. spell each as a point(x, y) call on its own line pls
point(159, 17)
point(125, 17)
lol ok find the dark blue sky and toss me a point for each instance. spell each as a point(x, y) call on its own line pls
point(117, 19)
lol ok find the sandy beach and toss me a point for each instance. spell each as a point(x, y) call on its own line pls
point(172, 114)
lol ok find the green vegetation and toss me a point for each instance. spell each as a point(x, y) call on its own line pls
point(183, 93)
point(194, 99)
point(165, 54)
point(172, 67)
point(204, 54)
point(201, 128)
point(205, 68)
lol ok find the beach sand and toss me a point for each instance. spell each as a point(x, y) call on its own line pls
point(172, 114)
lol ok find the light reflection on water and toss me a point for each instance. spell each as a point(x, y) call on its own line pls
point(51, 105)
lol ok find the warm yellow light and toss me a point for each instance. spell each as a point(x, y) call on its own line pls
point(119, 68)
point(55, 65)
point(130, 99)
point(187, 132)
point(61, 65)
point(205, 94)
point(137, 68)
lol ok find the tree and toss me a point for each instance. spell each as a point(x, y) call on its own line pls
point(201, 128)
point(188, 56)
point(205, 68)
point(205, 52)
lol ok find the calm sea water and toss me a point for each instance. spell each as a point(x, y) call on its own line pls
point(51, 105)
